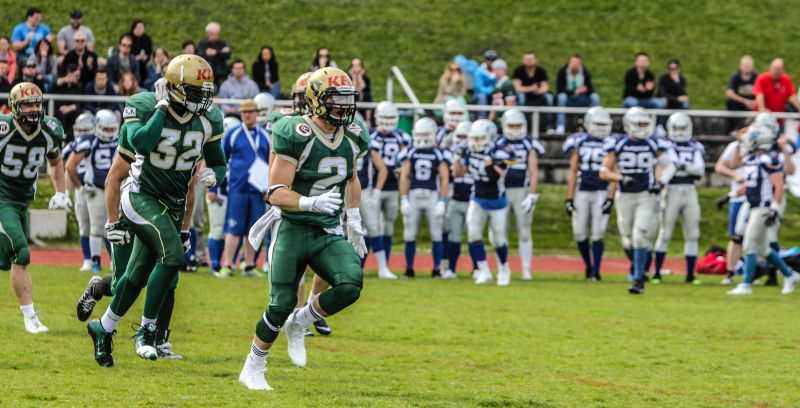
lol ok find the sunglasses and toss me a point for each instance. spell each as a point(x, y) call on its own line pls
point(80, 40)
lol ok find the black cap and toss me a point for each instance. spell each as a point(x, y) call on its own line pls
point(76, 14)
point(490, 55)
point(31, 61)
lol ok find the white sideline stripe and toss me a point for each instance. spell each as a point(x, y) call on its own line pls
point(130, 212)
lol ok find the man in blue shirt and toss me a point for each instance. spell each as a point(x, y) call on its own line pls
point(26, 35)
point(247, 149)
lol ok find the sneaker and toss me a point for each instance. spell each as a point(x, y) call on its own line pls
point(483, 277)
point(656, 280)
point(96, 268)
point(87, 301)
point(449, 274)
point(254, 375)
point(164, 348)
point(223, 273)
point(322, 327)
point(251, 272)
point(86, 266)
point(503, 276)
point(144, 342)
point(103, 343)
point(741, 289)
point(789, 283)
point(33, 325)
point(296, 341)
point(386, 274)
point(436, 274)
point(409, 273)
point(693, 281)
point(527, 276)
point(597, 277)
point(727, 281)
point(475, 273)
point(637, 288)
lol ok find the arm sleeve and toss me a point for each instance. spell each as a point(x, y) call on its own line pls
point(698, 165)
point(215, 158)
point(667, 161)
point(144, 138)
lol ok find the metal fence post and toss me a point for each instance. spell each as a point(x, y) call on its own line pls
point(51, 107)
point(535, 121)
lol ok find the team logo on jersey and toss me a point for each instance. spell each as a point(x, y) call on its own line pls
point(354, 128)
point(303, 129)
point(4, 128)
point(52, 125)
point(129, 112)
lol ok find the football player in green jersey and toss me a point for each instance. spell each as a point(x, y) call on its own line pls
point(165, 133)
point(313, 167)
point(27, 138)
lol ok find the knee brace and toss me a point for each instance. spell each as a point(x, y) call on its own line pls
point(266, 328)
point(339, 297)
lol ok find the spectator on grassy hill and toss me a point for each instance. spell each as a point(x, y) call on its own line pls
point(774, 89)
point(322, 59)
point(452, 84)
point(83, 57)
point(488, 58)
point(68, 84)
point(5, 84)
point(530, 82)
point(156, 67)
point(100, 86)
point(66, 35)
point(483, 81)
point(142, 47)
point(27, 34)
point(265, 72)
point(46, 64)
point(237, 86)
point(739, 95)
point(188, 47)
point(123, 60)
point(574, 88)
point(10, 56)
point(640, 85)
point(672, 87)
point(216, 51)
point(362, 84)
point(503, 83)
point(28, 73)
point(128, 84)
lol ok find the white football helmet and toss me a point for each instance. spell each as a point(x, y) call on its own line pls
point(481, 133)
point(264, 103)
point(597, 122)
point(515, 126)
point(461, 133)
point(454, 113)
point(386, 117)
point(84, 125)
point(767, 119)
point(424, 133)
point(638, 123)
point(679, 127)
point(107, 125)
point(230, 122)
point(758, 137)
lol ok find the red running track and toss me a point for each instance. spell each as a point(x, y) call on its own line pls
point(547, 263)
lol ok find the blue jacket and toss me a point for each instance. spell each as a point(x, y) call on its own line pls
point(483, 81)
point(238, 145)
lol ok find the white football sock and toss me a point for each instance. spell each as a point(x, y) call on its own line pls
point(306, 315)
point(526, 254)
point(256, 354)
point(484, 266)
point(27, 311)
point(109, 320)
point(381, 257)
point(95, 245)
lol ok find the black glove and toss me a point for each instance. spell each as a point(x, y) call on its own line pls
point(723, 201)
point(187, 245)
point(772, 217)
point(569, 205)
point(627, 181)
point(608, 205)
point(656, 187)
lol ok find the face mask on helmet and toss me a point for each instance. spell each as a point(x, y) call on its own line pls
point(339, 106)
point(478, 141)
point(299, 103)
point(196, 100)
point(453, 117)
point(768, 120)
point(638, 124)
point(599, 129)
point(84, 125)
point(679, 127)
point(514, 125)
point(107, 126)
point(424, 133)
point(29, 111)
point(758, 137)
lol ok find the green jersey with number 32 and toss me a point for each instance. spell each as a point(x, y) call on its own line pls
point(21, 156)
point(321, 163)
point(166, 171)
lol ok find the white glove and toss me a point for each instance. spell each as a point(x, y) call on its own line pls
point(259, 230)
point(405, 206)
point(60, 201)
point(355, 232)
point(117, 234)
point(529, 203)
point(325, 203)
point(440, 209)
point(161, 92)
point(207, 177)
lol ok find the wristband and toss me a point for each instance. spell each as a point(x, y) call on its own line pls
point(305, 203)
point(353, 213)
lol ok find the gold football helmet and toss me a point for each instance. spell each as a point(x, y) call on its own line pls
point(25, 100)
point(299, 94)
point(190, 81)
point(330, 95)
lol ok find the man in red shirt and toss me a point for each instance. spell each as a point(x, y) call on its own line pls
point(774, 88)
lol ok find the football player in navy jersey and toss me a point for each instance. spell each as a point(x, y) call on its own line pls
point(98, 152)
point(386, 142)
point(764, 189)
point(521, 180)
point(631, 161)
point(423, 189)
point(82, 129)
point(680, 198)
point(589, 198)
point(456, 215)
point(371, 175)
point(487, 166)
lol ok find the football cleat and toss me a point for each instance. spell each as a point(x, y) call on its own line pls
point(251, 272)
point(386, 274)
point(449, 274)
point(409, 273)
point(34, 326)
point(322, 327)
point(741, 289)
point(224, 272)
point(164, 348)
point(103, 343)
point(790, 283)
point(254, 375)
point(637, 288)
point(87, 301)
point(483, 277)
point(503, 275)
point(86, 266)
point(436, 274)
point(296, 341)
point(307, 332)
point(144, 342)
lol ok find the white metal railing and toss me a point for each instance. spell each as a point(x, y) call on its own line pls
point(395, 73)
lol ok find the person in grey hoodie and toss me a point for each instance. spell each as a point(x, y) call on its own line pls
point(237, 86)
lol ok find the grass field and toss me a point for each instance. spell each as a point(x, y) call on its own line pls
point(556, 342)
point(420, 36)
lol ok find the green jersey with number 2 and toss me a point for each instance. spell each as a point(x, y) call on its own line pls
point(321, 163)
point(165, 172)
point(21, 156)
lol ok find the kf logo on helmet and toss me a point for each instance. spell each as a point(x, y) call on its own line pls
point(339, 80)
point(204, 74)
point(29, 91)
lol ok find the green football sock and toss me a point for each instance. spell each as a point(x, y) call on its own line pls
point(158, 286)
